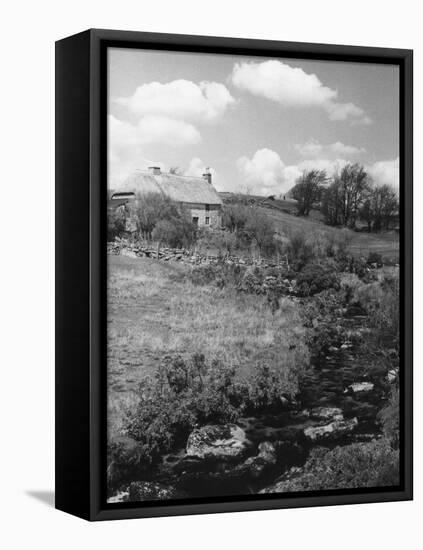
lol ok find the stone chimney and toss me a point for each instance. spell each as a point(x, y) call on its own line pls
point(154, 170)
point(207, 175)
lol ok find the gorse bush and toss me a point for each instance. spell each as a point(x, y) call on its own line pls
point(380, 300)
point(160, 218)
point(220, 275)
point(235, 216)
point(179, 396)
point(176, 232)
point(224, 242)
point(315, 278)
point(375, 258)
point(358, 465)
point(389, 418)
point(299, 249)
point(186, 393)
point(253, 229)
point(116, 224)
point(321, 317)
point(268, 389)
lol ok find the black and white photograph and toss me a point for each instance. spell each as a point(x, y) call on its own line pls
point(253, 275)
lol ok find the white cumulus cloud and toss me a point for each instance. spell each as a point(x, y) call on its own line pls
point(293, 87)
point(314, 149)
point(151, 129)
point(180, 99)
point(265, 173)
point(385, 172)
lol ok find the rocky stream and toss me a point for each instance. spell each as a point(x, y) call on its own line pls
point(338, 403)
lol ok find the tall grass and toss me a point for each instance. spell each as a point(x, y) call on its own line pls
point(155, 311)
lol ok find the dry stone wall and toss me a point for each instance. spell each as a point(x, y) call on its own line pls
point(125, 248)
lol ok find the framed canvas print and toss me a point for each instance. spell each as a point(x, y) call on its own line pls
point(234, 274)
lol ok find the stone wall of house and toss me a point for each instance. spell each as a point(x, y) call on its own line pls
point(214, 214)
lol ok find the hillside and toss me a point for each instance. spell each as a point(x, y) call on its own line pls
point(283, 215)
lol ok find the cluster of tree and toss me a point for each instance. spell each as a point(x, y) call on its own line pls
point(347, 197)
point(308, 190)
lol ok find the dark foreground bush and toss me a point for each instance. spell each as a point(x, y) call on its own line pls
point(375, 258)
point(322, 317)
point(359, 465)
point(185, 394)
point(181, 395)
point(389, 418)
point(315, 278)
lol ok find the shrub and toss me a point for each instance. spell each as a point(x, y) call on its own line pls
point(268, 389)
point(375, 258)
point(389, 419)
point(299, 250)
point(115, 224)
point(259, 230)
point(321, 316)
point(338, 242)
point(180, 395)
point(380, 300)
point(221, 274)
point(358, 465)
point(152, 208)
point(235, 216)
point(315, 278)
point(224, 242)
point(176, 232)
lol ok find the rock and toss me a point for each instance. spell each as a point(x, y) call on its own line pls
point(333, 430)
point(346, 346)
point(228, 442)
point(257, 465)
point(326, 413)
point(392, 375)
point(360, 387)
point(148, 490)
point(121, 496)
point(127, 252)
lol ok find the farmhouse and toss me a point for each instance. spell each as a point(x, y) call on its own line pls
point(196, 194)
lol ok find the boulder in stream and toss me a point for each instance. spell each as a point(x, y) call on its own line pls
point(324, 413)
point(227, 442)
point(392, 376)
point(255, 466)
point(333, 430)
point(357, 387)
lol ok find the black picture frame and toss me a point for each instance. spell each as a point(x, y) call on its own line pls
point(81, 171)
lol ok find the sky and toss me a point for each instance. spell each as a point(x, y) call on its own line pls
point(257, 123)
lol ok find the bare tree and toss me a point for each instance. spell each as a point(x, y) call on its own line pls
point(380, 208)
point(346, 195)
point(308, 190)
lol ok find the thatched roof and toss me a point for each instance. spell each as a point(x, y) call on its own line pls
point(185, 189)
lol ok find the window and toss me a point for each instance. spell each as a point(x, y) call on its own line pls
point(207, 221)
point(195, 221)
point(207, 207)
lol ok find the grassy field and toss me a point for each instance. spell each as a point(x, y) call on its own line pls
point(282, 214)
point(360, 243)
point(154, 311)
